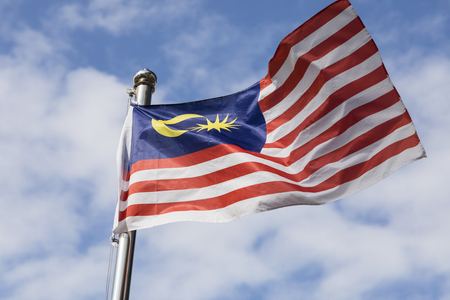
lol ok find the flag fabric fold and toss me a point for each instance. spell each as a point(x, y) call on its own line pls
point(326, 122)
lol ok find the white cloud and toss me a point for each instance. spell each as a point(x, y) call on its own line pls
point(63, 276)
point(120, 16)
point(59, 131)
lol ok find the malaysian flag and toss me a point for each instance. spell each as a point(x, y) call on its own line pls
point(324, 123)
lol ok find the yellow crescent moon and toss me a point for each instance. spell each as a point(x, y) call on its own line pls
point(161, 128)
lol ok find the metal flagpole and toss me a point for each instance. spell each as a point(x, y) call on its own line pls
point(144, 86)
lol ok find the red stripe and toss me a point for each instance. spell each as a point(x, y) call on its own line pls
point(270, 188)
point(299, 34)
point(345, 123)
point(358, 57)
point(242, 169)
point(306, 59)
point(333, 101)
point(188, 159)
point(125, 175)
point(191, 159)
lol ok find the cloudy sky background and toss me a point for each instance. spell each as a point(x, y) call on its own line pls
point(64, 69)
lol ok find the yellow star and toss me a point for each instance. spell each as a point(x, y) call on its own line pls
point(216, 125)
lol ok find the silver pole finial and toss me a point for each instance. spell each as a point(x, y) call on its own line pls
point(144, 86)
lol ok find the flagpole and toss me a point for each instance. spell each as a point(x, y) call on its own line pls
point(144, 87)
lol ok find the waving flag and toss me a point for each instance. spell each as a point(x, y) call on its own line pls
point(324, 123)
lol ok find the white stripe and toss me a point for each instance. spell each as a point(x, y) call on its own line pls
point(203, 168)
point(306, 45)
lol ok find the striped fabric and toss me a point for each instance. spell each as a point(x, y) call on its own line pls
point(334, 122)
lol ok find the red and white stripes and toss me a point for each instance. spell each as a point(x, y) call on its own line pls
point(335, 125)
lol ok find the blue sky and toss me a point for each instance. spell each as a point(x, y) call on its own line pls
point(64, 69)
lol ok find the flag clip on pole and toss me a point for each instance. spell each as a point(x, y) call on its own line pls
point(144, 86)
